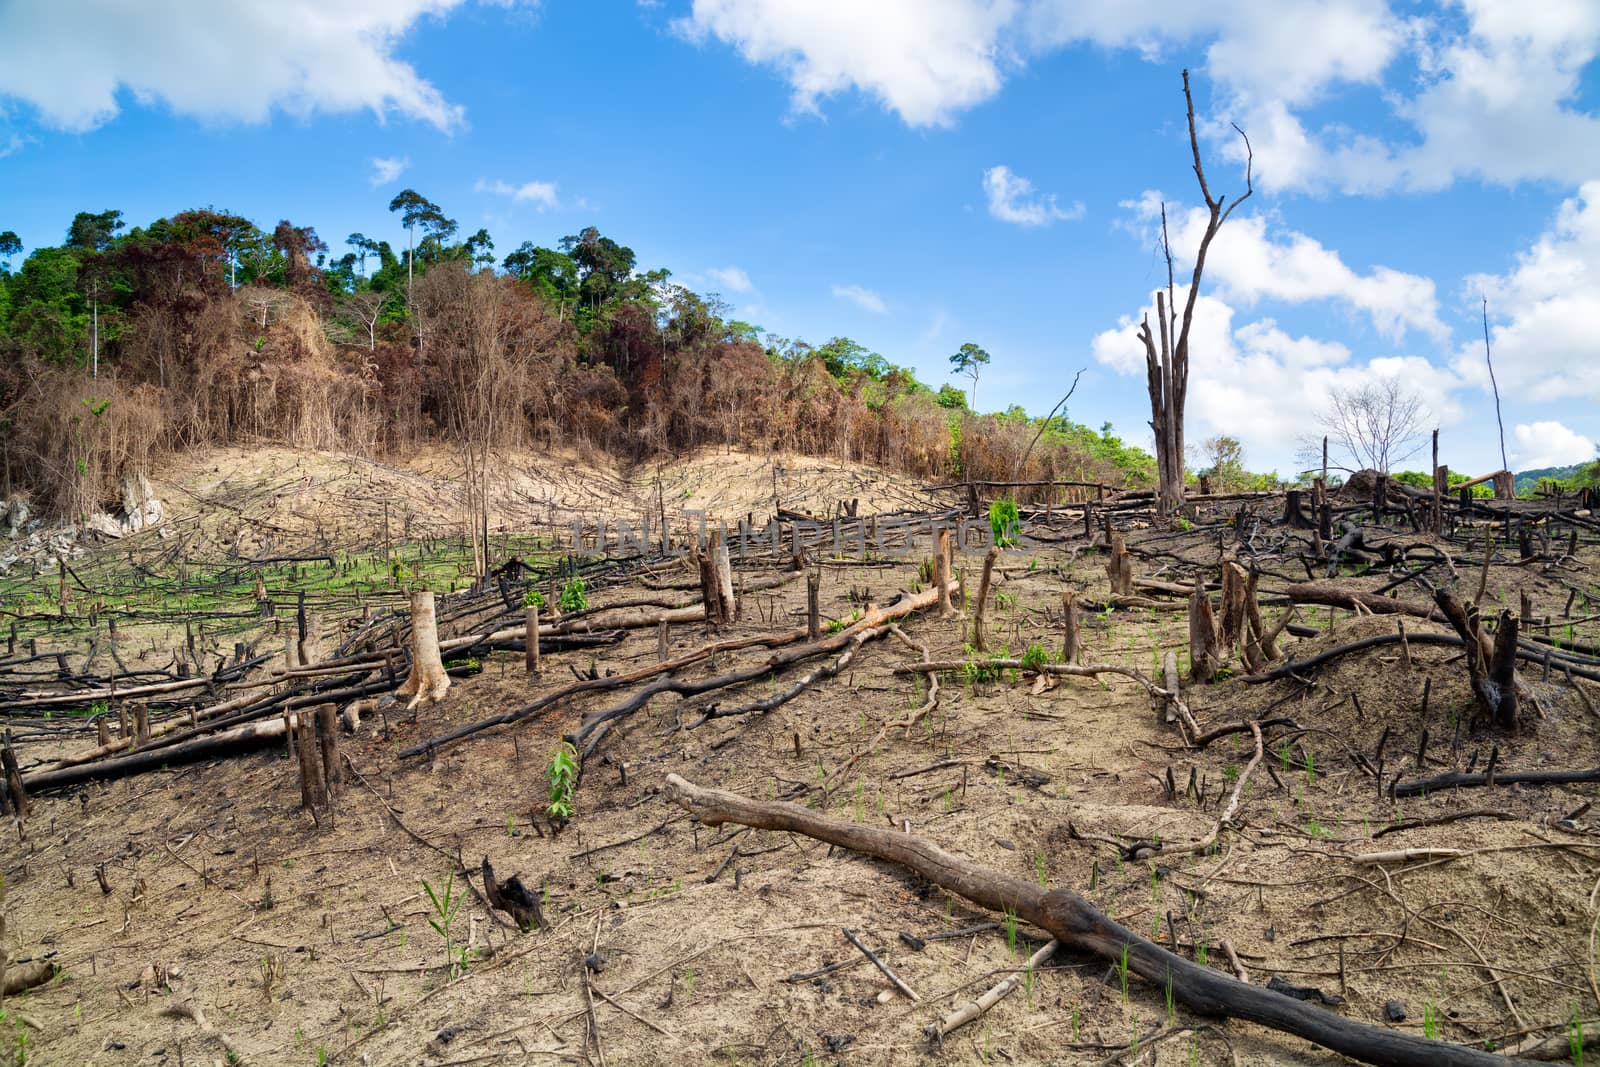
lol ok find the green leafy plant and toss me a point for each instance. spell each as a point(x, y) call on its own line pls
point(532, 598)
point(574, 595)
point(563, 775)
point(445, 907)
point(1035, 658)
point(1004, 521)
point(1122, 973)
point(1430, 1022)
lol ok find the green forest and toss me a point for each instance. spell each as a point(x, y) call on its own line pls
point(124, 342)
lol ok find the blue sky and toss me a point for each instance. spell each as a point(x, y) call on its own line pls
point(917, 173)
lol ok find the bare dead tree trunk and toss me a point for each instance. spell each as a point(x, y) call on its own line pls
point(1167, 363)
point(427, 680)
point(1069, 618)
point(979, 641)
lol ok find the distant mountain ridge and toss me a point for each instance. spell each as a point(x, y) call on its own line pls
point(1527, 480)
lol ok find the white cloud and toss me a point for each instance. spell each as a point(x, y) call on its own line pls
point(1548, 310)
point(1012, 199)
point(924, 61)
point(238, 61)
point(1466, 88)
point(386, 169)
point(1550, 444)
point(1248, 263)
point(865, 299)
point(542, 194)
point(1265, 387)
point(1487, 88)
point(731, 278)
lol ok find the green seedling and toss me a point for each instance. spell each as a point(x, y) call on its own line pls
point(445, 907)
point(563, 775)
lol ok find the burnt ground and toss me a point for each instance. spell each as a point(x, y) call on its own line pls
point(304, 944)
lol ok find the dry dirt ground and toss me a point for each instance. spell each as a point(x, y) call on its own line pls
point(304, 945)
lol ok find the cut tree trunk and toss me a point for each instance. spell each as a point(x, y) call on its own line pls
point(1079, 925)
point(1491, 666)
point(427, 680)
point(1204, 658)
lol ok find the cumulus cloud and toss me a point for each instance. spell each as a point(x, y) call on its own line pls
point(540, 194)
point(1550, 444)
point(732, 279)
point(865, 299)
point(238, 61)
point(923, 61)
point(386, 169)
point(1012, 199)
point(1548, 310)
point(1250, 261)
point(1472, 88)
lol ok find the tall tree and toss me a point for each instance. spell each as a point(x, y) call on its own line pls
point(296, 243)
point(970, 360)
point(1167, 366)
point(480, 248)
point(94, 231)
point(10, 245)
point(361, 247)
point(414, 208)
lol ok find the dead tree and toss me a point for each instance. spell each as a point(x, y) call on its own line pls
point(1167, 365)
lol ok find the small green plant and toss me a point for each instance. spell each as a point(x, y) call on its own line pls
point(532, 598)
point(1122, 973)
point(1011, 932)
point(1005, 601)
point(1004, 521)
point(1035, 658)
point(445, 907)
point(1039, 867)
point(574, 595)
point(563, 775)
point(1430, 1022)
point(1575, 1037)
point(511, 826)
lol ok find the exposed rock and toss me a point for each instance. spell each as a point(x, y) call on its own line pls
point(140, 508)
point(16, 517)
point(104, 524)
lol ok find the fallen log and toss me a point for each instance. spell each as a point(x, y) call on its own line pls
point(872, 624)
point(595, 685)
point(1335, 597)
point(1458, 780)
point(1296, 666)
point(245, 738)
point(1079, 925)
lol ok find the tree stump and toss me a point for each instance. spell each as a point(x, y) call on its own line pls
point(979, 641)
point(530, 641)
point(427, 681)
point(1069, 617)
point(1120, 566)
point(1203, 641)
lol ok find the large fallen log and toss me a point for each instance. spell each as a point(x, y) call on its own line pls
point(1336, 597)
point(245, 738)
point(1079, 925)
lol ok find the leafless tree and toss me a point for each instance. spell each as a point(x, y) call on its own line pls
point(359, 313)
point(1374, 426)
point(1167, 365)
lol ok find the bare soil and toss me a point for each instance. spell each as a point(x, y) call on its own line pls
point(305, 944)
